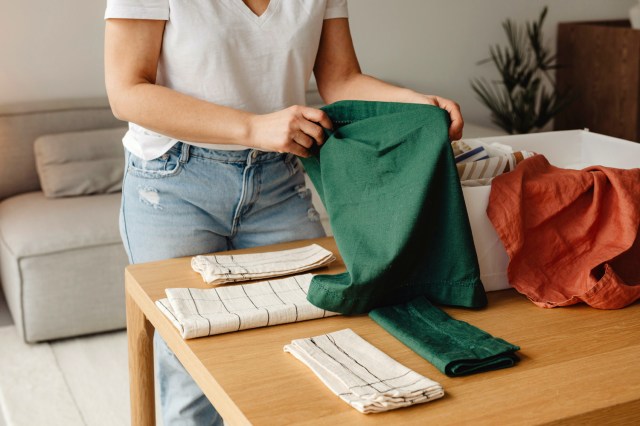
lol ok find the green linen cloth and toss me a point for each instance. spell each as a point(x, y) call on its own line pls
point(387, 177)
point(455, 347)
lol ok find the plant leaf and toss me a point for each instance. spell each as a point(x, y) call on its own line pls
point(525, 98)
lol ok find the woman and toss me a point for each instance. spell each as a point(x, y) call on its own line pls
point(214, 92)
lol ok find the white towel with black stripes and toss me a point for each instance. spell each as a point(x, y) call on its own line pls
point(225, 268)
point(205, 312)
point(362, 375)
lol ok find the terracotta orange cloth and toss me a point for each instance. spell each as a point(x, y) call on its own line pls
point(571, 235)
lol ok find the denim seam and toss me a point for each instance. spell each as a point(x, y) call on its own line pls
point(160, 174)
point(124, 218)
point(241, 201)
point(164, 173)
point(239, 161)
point(204, 157)
point(257, 190)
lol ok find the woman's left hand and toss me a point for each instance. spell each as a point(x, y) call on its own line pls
point(339, 77)
point(457, 123)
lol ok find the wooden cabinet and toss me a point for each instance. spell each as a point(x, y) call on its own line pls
point(600, 62)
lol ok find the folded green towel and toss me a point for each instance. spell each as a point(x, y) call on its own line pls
point(388, 179)
point(455, 347)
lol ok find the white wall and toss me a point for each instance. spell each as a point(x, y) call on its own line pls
point(433, 45)
point(52, 49)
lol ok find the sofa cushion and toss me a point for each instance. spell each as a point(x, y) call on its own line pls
point(80, 163)
point(21, 124)
point(31, 224)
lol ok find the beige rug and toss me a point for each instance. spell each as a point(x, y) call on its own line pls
point(80, 381)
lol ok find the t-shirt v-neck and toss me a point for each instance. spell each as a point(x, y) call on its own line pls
point(258, 19)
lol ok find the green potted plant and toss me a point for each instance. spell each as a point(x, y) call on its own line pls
point(525, 98)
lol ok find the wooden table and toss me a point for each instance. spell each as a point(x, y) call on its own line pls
point(579, 365)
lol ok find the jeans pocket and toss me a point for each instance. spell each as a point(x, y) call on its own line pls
point(167, 165)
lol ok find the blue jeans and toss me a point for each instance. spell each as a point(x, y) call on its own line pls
point(195, 200)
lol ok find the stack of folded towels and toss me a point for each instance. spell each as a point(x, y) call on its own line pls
point(198, 313)
point(478, 163)
point(360, 374)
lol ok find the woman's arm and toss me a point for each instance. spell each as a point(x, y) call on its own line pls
point(132, 50)
point(339, 77)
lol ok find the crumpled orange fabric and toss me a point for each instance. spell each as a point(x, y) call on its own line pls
point(571, 235)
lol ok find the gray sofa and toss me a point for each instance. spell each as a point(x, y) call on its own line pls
point(61, 259)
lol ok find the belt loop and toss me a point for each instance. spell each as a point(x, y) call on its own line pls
point(251, 158)
point(184, 152)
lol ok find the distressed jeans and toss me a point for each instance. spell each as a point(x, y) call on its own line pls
point(194, 200)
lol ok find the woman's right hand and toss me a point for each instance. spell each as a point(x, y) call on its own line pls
point(132, 52)
point(292, 130)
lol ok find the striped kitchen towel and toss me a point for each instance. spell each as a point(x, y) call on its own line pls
point(221, 268)
point(362, 375)
point(205, 312)
point(479, 162)
point(467, 151)
point(481, 172)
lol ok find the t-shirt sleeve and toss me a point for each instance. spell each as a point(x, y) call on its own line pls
point(137, 9)
point(336, 9)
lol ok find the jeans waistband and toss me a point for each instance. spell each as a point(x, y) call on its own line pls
point(252, 156)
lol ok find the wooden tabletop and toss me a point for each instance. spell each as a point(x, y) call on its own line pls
point(578, 364)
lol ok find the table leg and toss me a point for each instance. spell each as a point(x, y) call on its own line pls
point(141, 383)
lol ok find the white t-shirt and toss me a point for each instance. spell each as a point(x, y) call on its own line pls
point(221, 52)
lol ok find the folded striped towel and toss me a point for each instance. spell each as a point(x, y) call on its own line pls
point(466, 151)
point(362, 375)
point(479, 162)
point(205, 312)
point(481, 172)
point(221, 268)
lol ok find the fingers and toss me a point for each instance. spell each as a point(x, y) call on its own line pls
point(317, 116)
point(457, 123)
point(298, 150)
point(312, 131)
point(308, 130)
point(303, 139)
